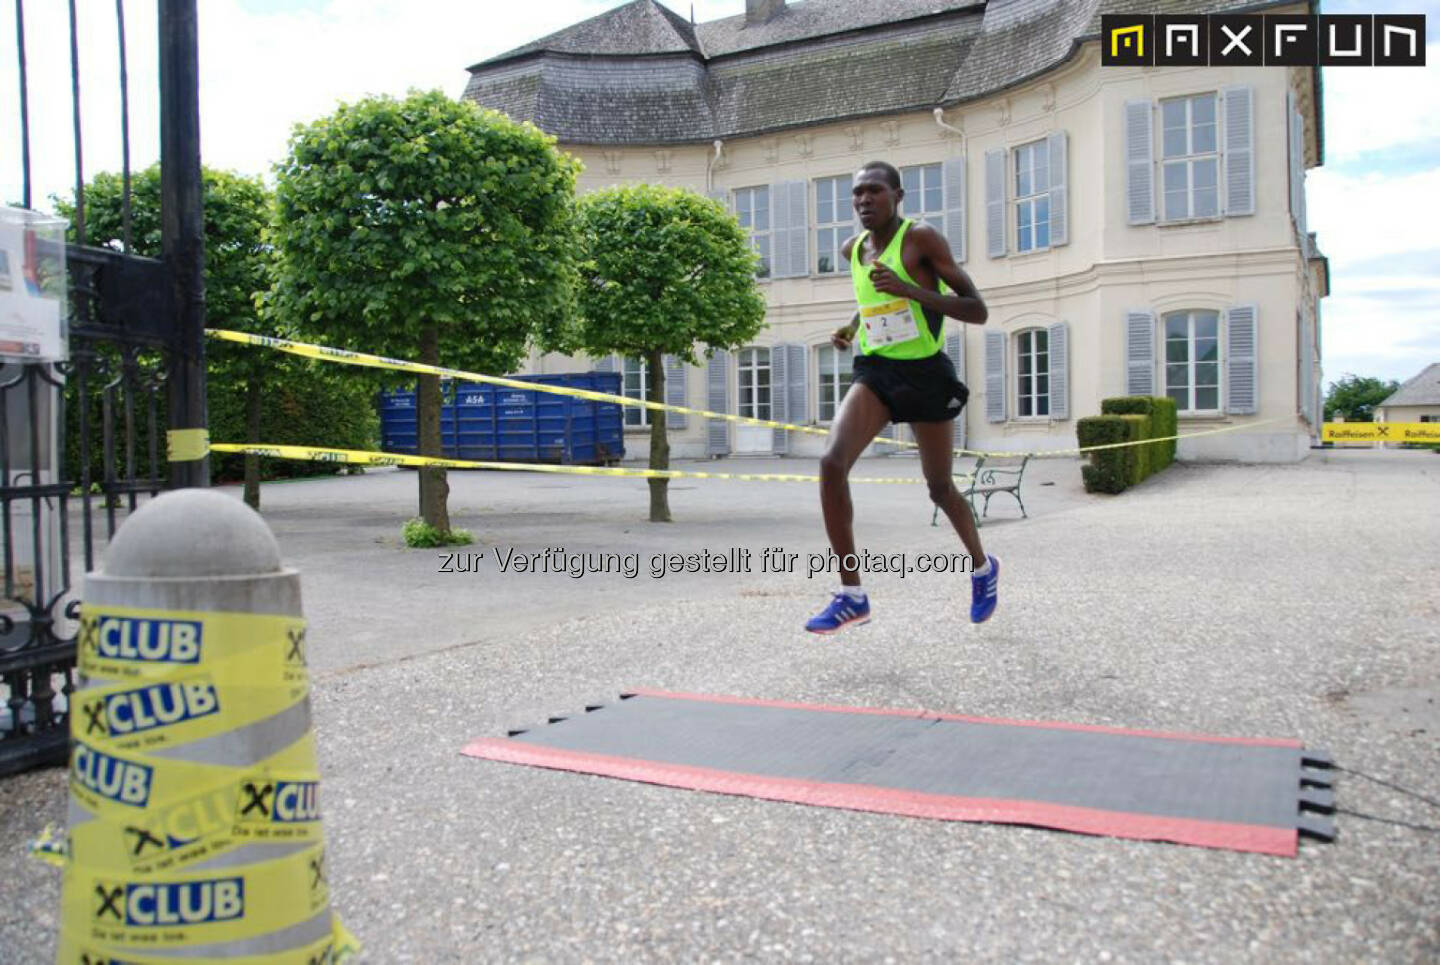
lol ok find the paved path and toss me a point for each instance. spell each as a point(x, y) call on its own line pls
point(1246, 600)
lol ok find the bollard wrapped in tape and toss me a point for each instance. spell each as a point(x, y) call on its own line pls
point(194, 830)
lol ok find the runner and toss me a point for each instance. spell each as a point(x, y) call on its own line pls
point(901, 374)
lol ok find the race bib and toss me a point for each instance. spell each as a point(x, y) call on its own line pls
point(889, 322)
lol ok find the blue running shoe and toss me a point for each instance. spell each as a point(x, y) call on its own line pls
point(983, 592)
point(841, 612)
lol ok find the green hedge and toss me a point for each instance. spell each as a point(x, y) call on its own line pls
point(1108, 470)
point(305, 404)
point(1132, 418)
point(1164, 423)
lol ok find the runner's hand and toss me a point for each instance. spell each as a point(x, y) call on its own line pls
point(887, 281)
point(841, 338)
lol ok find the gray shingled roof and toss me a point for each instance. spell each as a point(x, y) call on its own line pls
point(1424, 389)
point(640, 74)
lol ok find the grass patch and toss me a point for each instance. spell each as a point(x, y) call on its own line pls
point(421, 535)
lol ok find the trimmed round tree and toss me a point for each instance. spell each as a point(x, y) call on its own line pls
point(427, 229)
point(664, 270)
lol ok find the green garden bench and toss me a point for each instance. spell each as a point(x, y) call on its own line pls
point(987, 479)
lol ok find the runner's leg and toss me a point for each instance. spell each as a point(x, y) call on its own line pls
point(861, 417)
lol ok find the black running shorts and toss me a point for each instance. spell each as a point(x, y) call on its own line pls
point(914, 390)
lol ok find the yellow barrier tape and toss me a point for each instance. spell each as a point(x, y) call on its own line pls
point(1421, 432)
point(330, 354)
point(330, 950)
point(197, 907)
point(265, 806)
point(187, 445)
point(360, 457)
point(130, 643)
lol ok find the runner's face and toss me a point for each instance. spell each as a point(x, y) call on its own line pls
point(875, 201)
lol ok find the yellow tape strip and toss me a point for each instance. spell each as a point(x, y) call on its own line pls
point(187, 445)
point(265, 806)
point(134, 643)
point(331, 950)
point(362, 458)
point(1421, 432)
point(329, 354)
point(179, 909)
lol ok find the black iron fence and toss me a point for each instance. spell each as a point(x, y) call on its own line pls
point(83, 441)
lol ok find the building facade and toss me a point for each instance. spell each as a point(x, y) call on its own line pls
point(1133, 230)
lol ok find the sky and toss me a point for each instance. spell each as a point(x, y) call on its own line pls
point(266, 65)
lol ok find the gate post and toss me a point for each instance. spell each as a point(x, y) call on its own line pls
point(194, 792)
point(182, 233)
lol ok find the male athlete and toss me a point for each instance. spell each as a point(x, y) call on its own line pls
point(901, 374)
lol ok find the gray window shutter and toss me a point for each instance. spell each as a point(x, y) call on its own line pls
point(797, 395)
point(717, 399)
point(995, 203)
point(1242, 389)
point(1059, 213)
point(799, 241)
point(790, 240)
point(1297, 173)
point(994, 376)
point(779, 399)
point(954, 173)
point(1139, 162)
point(955, 348)
point(675, 391)
point(1239, 146)
point(606, 364)
point(1139, 353)
point(1060, 370)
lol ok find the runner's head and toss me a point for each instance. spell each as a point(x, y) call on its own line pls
point(876, 194)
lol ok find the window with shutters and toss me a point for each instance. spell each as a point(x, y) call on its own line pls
point(634, 384)
point(924, 195)
point(1032, 373)
point(752, 210)
point(1192, 360)
point(1190, 157)
point(836, 369)
point(834, 222)
point(1032, 196)
point(753, 375)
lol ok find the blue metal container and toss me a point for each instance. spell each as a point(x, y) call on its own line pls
point(502, 424)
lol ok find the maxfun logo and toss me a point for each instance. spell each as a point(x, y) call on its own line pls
point(1269, 40)
point(115, 778)
point(280, 802)
point(142, 639)
point(149, 905)
point(147, 708)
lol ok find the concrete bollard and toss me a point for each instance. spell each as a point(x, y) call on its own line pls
point(194, 830)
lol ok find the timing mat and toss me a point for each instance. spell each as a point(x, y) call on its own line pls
point(1244, 794)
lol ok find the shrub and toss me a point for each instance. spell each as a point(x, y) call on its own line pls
point(305, 404)
point(421, 535)
point(1108, 469)
point(1137, 458)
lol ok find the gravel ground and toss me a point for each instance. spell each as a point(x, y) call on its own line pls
point(1290, 601)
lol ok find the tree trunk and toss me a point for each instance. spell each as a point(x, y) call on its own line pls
point(434, 489)
point(659, 441)
point(253, 409)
